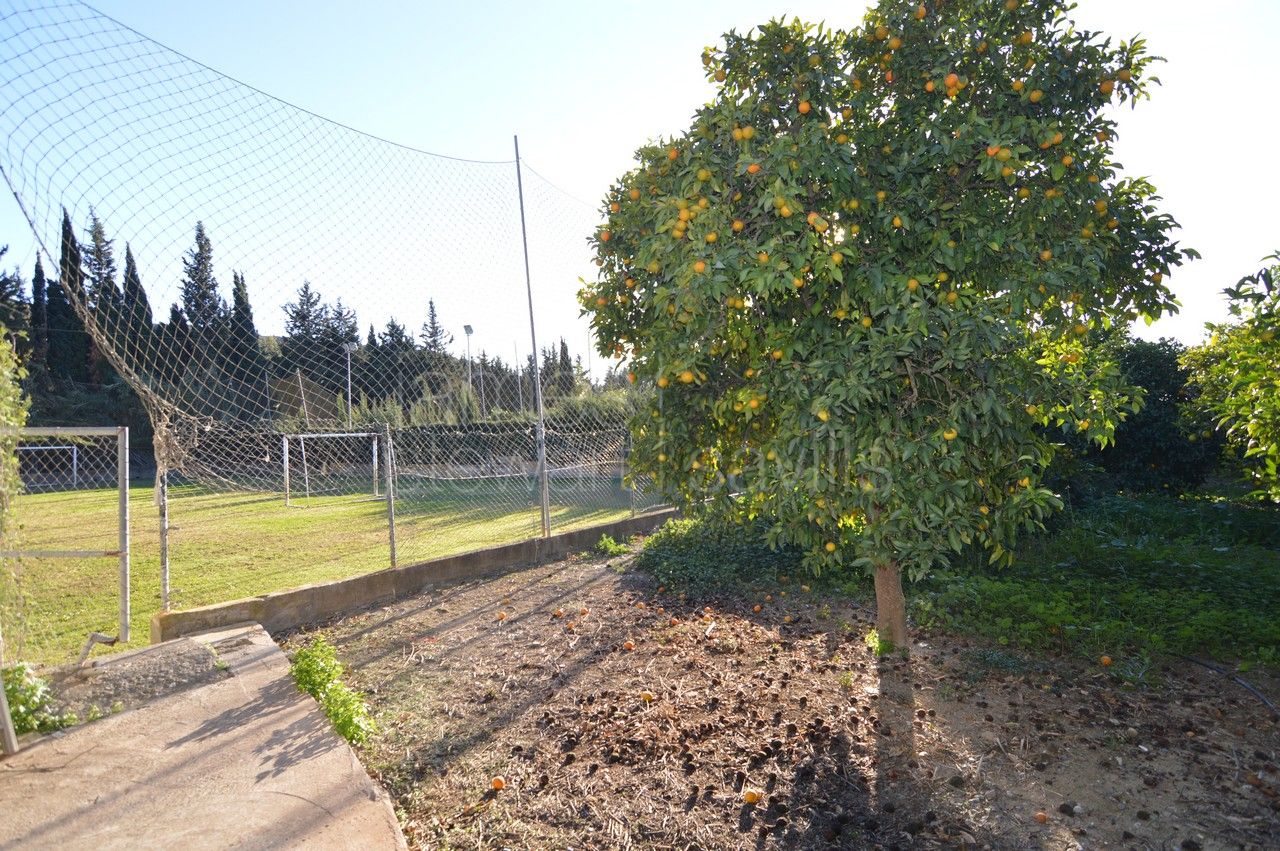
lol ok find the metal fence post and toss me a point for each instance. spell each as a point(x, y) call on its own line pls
point(8, 737)
point(163, 486)
point(544, 488)
point(388, 464)
point(122, 482)
point(284, 454)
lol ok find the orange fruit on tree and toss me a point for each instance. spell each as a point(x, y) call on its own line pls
point(1036, 96)
point(992, 150)
point(804, 107)
point(686, 377)
point(929, 86)
point(952, 80)
point(950, 434)
point(700, 266)
point(1107, 86)
point(912, 284)
point(829, 546)
point(634, 194)
point(1018, 85)
point(673, 154)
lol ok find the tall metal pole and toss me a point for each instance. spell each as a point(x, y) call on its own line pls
point(349, 420)
point(164, 540)
point(388, 465)
point(543, 488)
point(122, 482)
point(515, 353)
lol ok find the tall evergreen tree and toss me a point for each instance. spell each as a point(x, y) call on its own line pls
point(102, 297)
point(203, 307)
point(101, 292)
point(137, 308)
point(248, 366)
point(68, 340)
point(435, 340)
point(15, 314)
point(565, 378)
point(39, 314)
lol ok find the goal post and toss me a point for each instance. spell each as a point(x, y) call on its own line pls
point(331, 470)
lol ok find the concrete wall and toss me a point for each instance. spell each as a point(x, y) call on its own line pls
point(284, 610)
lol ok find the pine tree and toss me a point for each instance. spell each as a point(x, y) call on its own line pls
point(39, 315)
point(68, 340)
point(101, 293)
point(137, 309)
point(203, 307)
point(102, 298)
point(435, 340)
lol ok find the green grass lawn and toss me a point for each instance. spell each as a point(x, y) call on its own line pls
point(225, 546)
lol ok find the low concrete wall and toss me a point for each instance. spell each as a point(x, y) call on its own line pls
point(284, 610)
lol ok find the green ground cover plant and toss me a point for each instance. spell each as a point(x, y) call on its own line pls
point(318, 672)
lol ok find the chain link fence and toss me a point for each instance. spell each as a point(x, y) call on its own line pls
point(351, 353)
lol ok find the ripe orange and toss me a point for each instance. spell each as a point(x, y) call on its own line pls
point(686, 377)
point(1042, 817)
point(929, 86)
point(952, 80)
point(498, 784)
point(663, 381)
point(1036, 96)
point(628, 645)
point(920, 13)
point(646, 696)
point(1018, 85)
point(830, 546)
point(558, 613)
point(895, 43)
point(897, 222)
point(1157, 278)
point(738, 225)
point(634, 194)
point(912, 284)
point(950, 434)
point(1046, 255)
point(673, 154)
point(756, 608)
point(992, 150)
point(866, 322)
point(699, 266)
point(804, 107)
point(752, 796)
point(1106, 661)
point(837, 258)
point(605, 236)
point(502, 616)
point(1107, 86)
point(1068, 160)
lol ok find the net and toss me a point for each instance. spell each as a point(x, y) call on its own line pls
point(264, 281)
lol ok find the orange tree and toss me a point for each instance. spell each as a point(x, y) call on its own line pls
point(1238, 375)
point(862, 280)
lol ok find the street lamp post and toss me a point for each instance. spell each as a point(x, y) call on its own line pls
point(349, 348)
point(467, 329)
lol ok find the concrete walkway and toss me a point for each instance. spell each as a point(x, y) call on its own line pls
point(244, 762)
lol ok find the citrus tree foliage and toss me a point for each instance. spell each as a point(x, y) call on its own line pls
point(1238, 373)
point(864, 276)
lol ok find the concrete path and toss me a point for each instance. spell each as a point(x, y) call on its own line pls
point(245, 762)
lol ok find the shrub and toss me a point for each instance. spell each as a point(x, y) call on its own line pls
point(702, 553)
point(607, 546)
point(318, 672)
point(30, 701)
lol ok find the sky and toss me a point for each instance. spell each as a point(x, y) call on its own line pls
point(584, 84)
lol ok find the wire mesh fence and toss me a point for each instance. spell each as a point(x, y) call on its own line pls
point(69, 555)
point(311, 317)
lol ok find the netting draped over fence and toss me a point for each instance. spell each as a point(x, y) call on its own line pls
point(267, 281)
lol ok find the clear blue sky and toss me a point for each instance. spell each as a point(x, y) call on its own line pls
point(586, 83)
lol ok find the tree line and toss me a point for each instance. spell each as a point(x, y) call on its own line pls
point(208, 356)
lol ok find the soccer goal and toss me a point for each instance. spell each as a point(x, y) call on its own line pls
point(330, 464)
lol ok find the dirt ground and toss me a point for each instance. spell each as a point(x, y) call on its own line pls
point(528, 677)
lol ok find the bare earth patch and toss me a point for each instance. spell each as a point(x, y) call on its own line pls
point(527, 677)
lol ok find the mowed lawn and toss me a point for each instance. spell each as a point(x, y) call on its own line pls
point(226, 546)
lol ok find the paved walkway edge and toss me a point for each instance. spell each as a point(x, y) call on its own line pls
point(245, 762)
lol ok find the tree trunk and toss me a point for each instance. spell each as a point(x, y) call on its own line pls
point(891, 607)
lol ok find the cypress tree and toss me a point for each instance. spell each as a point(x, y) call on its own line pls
point(68, 339)
point(39, 314)
point(102, 297)
point(248, 366)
